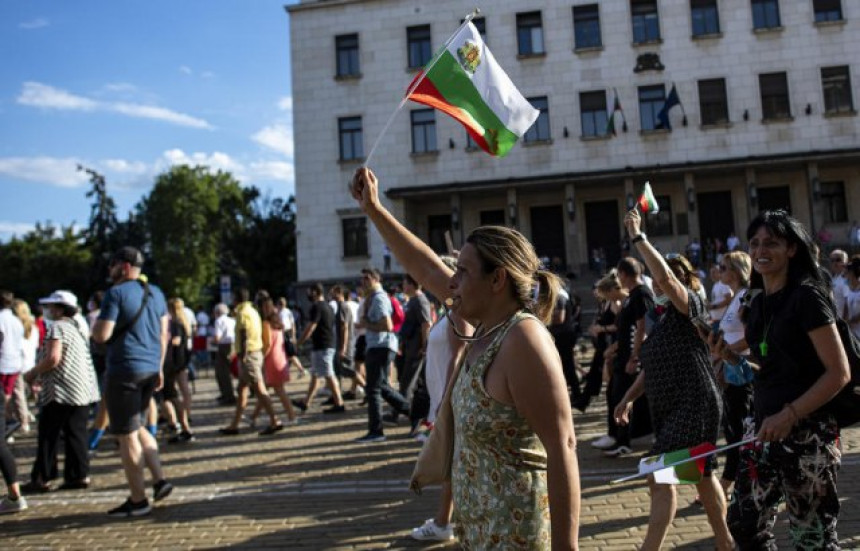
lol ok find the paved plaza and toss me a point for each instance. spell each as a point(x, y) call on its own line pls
point(310, 487)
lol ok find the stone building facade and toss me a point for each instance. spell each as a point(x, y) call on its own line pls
point(767, 118)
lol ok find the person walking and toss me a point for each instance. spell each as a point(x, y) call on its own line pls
point(11, 352)
point(223, 336)
point(133, 322)
point(176, 372)
point(69, 388)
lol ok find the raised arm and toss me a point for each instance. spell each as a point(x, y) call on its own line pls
point(414, 255)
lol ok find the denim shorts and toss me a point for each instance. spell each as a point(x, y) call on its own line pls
point(322, 362)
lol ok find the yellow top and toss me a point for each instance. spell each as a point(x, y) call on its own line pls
point(249, 328)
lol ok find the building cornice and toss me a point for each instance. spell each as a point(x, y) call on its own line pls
point(320, 4)
point(647, 171)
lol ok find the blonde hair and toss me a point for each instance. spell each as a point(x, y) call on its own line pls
point(534, 289)
point(22, 312)
point(741, 264)
point(609, 282)
point(176, 307)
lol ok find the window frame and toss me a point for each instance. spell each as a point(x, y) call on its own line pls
point(709, 104)
point(772, 100)
point(357, 150)
point(535, 134)
point(590, 112)
point(834, 207)
point(845, 90)
point(427, 128)
point(530, 22)
point(349, 71)
point(361, 246)
point(648, 22)
point(661, 224)
point(419, 36)
point(590, 25)
point(760, 10)
point(708, 11)
point(654, 106)
point(827, 10)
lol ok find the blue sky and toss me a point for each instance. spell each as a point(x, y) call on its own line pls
point(130, 88)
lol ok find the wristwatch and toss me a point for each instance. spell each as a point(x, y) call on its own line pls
point(639, 237)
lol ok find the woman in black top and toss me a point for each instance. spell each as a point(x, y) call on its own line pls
point(800, 366)
point(602, 333)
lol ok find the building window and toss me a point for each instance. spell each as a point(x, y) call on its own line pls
point(832, 197)
point(713, 103)
point(586, 26)
point(481, 24)
point(765, 14)
point(423, 131)
point(346, 46)
point(530, 33)
point(836, 83)
point(706, 19)
point(492, 217)
point(646, 24)
point(437, 226)
point(660, 224)
point(539, 132)
point(349, 131)
point(418, 45)
point(651, 100)
point(354, 236)
point(774, 96)
point(827, 10)
point(593, 114)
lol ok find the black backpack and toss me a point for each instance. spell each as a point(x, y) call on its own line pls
point(846, 405)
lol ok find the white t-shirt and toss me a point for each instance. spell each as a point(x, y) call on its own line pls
point(225, 329)
point(287, 319)
point(731, 324)
point(31, 346)
point(12, 343)
point(852, 298)
point(840, 293)
point(202, 324)
point(719, 292)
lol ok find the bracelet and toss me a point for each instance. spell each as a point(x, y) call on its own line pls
point(793, 411)
point(638, 237)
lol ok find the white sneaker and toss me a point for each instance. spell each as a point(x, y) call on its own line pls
point(430, 531)
point(604, 442)
point(8, 505)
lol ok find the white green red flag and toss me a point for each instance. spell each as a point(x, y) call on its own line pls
point(676, 470)
point(647, 202)
point(467, 83)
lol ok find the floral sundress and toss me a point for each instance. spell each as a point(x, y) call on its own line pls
point(498, 472)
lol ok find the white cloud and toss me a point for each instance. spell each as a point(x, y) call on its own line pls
point(38, 23)
point(207, 74)
point(215, 161)
point(11, 229)
point(285, 103)
point(36, 94)
point(185, 70)
point(273, 170)
point(122, 166)
point(44, 170)
point(278, 137)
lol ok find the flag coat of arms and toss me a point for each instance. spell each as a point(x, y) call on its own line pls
point(465, 81)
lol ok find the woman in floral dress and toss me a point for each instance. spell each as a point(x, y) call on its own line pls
point(514, 445)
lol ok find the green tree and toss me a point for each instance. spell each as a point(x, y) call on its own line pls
point(185, 216)
point(101, 233)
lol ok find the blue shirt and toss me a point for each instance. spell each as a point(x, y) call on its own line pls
point(138, 350)
point(378, 306)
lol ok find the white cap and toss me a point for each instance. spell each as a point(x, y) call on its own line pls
point(61, 297)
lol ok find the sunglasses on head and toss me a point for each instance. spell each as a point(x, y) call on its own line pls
point(673, 256)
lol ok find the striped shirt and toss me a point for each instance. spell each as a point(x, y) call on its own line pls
point(73, 380)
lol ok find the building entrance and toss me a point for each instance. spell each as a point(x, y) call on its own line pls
point(547, 227)
point(770, 198)
point(603, 231)
point(716, 219)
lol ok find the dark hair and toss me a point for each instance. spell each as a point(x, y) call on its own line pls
point(68, 311)
point(128, 254)
point(97, 297)
point(337, 290)
point(243, 294)
point(6, 299)
point(372, 272)
point(684, 271)
point(853, 266)
point(803, 266)
point(630, 266)
point(411, 280)
point(317, 289)
point(269, 313)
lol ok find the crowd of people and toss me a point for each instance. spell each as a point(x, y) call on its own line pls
point(489, 336)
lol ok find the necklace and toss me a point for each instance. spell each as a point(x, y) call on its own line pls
point(479, 335)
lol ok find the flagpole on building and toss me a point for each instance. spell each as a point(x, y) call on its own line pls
point(688, 460)
point(424, 71)
point(623, 117)
point(683, 111)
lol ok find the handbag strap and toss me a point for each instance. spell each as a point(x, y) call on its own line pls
point(119, 332)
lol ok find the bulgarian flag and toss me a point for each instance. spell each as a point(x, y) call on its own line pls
point(647, 203)
point(676, 467)
point(465, 81)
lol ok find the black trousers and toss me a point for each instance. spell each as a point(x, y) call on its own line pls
point(738, 402)
point(7, 460)
point(72, 421)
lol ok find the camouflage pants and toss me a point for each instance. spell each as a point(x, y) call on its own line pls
point(800, 470)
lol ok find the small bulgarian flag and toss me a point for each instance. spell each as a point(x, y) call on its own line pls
point(465, 81)
point(677, 471)
point(647, 203)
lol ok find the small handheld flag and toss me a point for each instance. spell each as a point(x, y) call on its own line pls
point(647, 203)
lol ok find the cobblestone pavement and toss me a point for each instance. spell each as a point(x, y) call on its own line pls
point(311, 487)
